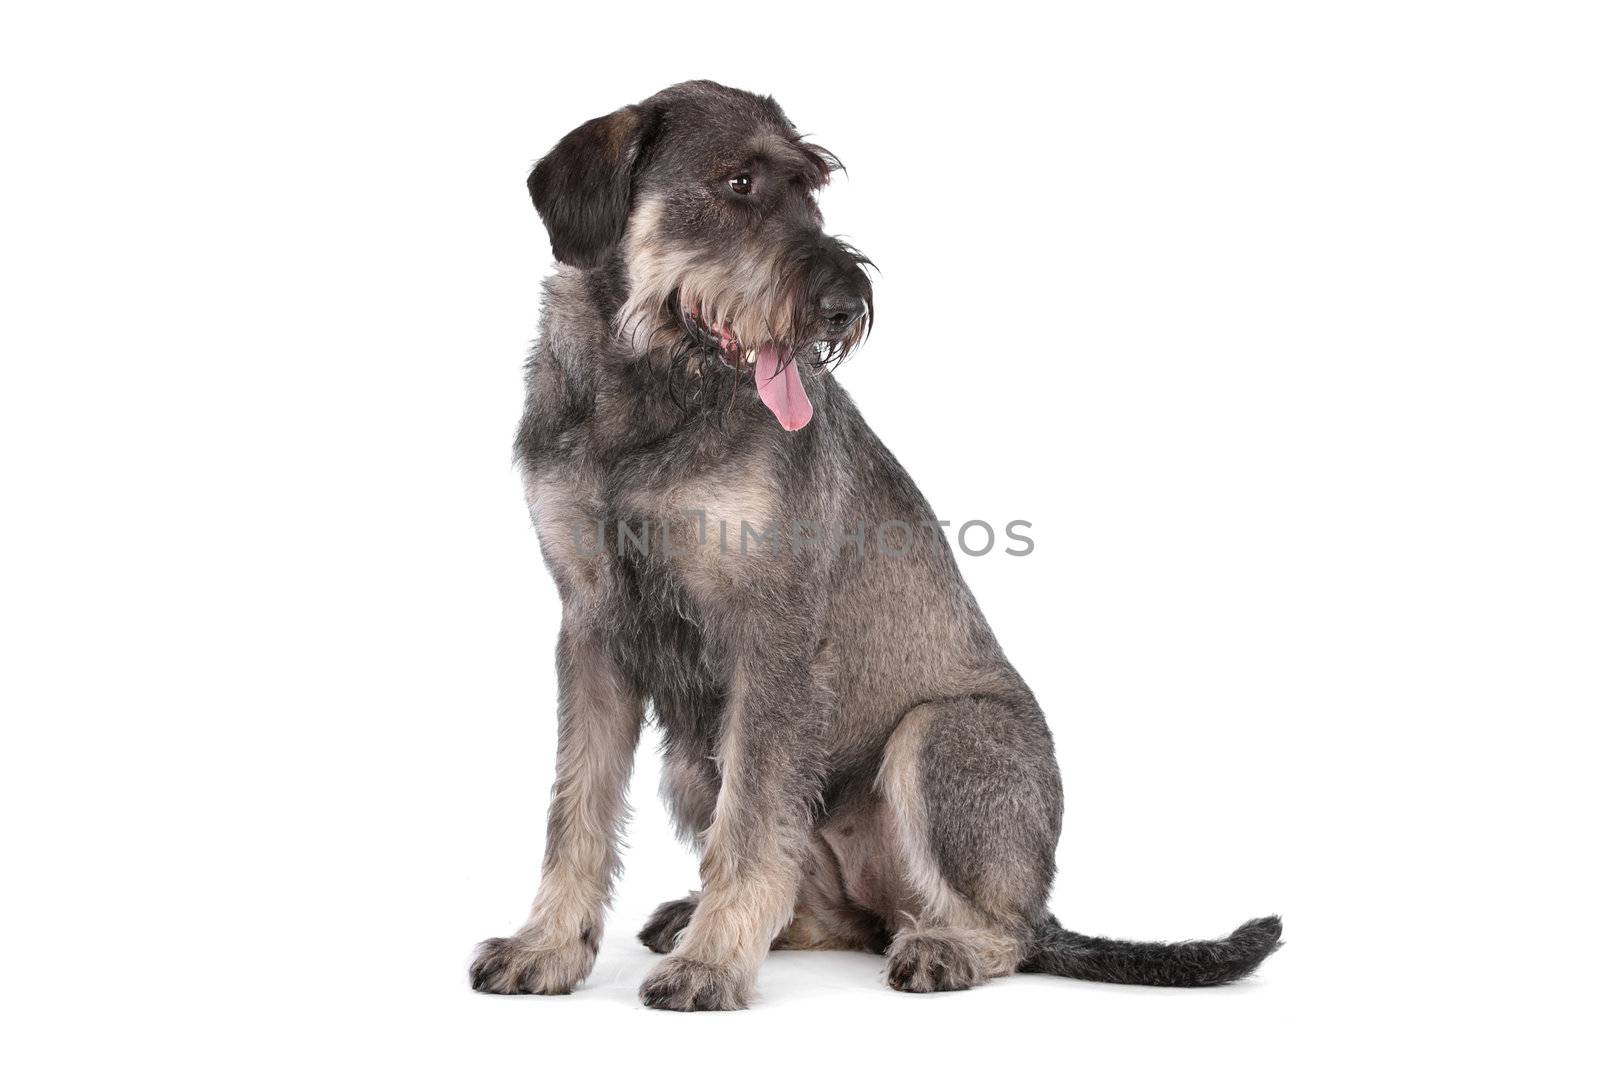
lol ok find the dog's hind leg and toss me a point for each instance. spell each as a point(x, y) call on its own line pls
point(824, 915)
point(972, 805)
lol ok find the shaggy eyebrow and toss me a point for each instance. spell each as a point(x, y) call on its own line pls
point(795, 158)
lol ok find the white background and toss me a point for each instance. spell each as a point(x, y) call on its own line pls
point(1278, 322)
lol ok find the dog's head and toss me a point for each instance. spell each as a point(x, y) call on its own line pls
point(702, 199)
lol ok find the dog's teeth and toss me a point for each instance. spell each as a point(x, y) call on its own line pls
point(749, 357)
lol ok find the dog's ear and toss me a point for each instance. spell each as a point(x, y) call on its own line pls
point(583, 187)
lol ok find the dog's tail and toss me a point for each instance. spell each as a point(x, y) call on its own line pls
point(1181, 963)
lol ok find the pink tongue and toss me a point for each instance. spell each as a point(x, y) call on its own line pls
point(781, 390)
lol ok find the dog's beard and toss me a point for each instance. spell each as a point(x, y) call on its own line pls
point(695, 344)
point(744, 308)
point(772, 361)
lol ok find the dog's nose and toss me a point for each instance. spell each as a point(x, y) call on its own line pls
point(841, 310)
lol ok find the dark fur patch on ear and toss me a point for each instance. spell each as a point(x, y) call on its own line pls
point(583, 187)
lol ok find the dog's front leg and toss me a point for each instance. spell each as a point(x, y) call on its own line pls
point(770, 756)
point(598, 722)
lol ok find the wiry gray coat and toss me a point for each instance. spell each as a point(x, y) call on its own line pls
point(846, 744)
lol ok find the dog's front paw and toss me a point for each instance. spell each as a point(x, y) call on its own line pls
point(679, 984)
point(524, 965)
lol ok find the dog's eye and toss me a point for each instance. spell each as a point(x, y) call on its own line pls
point(741, 184)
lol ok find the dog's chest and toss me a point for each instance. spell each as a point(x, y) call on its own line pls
point(631, 530)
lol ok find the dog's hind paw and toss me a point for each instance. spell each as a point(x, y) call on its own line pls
point(932, 963)
point(661, 930)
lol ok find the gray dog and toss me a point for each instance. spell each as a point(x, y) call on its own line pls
point(846, 745)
